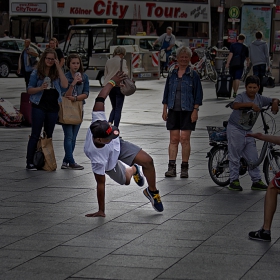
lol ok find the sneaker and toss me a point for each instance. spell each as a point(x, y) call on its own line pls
point(260, 235)
point(235, 186)
point(259, 186)
point(75, 166)
point(64, 165)
point(154, 197)
point(31, 166)
point(138, 176)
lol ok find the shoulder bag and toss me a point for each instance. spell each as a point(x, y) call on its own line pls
point(70, 112)
point(268, 80)
point(39, 158)
point(128, 86)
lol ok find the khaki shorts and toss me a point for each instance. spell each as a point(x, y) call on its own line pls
point(127, 155)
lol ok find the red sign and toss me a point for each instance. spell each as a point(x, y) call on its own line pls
point(232, 35)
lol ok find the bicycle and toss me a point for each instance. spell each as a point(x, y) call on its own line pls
point(218, 163)
point(205, 66)
point(164, 70)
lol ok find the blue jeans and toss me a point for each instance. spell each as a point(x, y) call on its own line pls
point(40, 118)
point(117, 99)
point(259, 70)
point(70, 135)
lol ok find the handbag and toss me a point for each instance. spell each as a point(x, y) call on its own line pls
point(128, 86)
point(268, 80)
point(39, 158)
point(48, 151)
point(70, 112)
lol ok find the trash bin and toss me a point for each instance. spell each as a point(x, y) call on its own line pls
point(221, 56)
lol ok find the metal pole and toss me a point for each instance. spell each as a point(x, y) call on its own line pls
point(221, 25)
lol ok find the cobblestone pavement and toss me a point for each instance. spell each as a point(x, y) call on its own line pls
point(202, 233)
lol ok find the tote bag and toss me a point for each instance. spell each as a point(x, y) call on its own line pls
point(48, 151)
point(70, 112)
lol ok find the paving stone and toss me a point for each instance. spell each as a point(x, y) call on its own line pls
point(210, 266)
point(137, 261)
point(113, 272)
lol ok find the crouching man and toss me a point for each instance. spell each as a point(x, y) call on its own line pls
point(108, 152)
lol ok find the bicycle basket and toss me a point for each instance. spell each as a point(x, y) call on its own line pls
point(217, 133)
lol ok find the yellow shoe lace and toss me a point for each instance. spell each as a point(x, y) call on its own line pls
point(136, 178)
point(157, 197)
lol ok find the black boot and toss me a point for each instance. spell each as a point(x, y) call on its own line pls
point(171, 170)
point(184, 170)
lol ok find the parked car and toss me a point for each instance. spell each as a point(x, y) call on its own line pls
point(10, 50)
point(145, 43)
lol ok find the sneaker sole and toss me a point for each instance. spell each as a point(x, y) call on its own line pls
point(64, 167)
point(169, 176)
point(259, 239)
point(32, 169)
point(71, 168)
point(258, 189)
point(150, 198)
point(238, 190)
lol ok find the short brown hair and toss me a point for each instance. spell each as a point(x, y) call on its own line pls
point(241, 37)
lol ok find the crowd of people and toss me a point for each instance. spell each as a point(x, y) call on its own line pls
point(182, 96)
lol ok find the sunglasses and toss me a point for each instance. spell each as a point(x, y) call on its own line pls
point(49, 59)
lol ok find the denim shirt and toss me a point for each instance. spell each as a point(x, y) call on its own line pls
point(78, 89)
point(35, 81)
point(28, 68)
point(191, 90)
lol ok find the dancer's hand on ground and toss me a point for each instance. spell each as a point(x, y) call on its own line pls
point(96, 214)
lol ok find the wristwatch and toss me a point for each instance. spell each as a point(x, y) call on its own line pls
point(196, 109)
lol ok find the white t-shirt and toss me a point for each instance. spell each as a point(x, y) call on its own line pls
point(105, 158)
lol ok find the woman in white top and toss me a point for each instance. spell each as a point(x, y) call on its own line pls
point(116, 97)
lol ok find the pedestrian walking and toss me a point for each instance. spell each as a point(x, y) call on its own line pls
point(108, 153)
point(167, 42)
point(259, 57)
point(53, 44)
point(45, 93)
point(112, 66)
point(270, 201)
point(240, 123)
point(181, 100)
point(78, 90)
point(238, 53)
point(27, 61)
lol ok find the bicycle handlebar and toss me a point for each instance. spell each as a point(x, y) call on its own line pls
point(263, 109)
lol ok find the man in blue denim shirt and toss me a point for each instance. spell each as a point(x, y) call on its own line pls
point(182, 96)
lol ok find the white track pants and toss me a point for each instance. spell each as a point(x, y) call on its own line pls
point(241, 146)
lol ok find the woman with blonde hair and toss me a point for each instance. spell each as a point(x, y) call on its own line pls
point(116, 97)
point(181, 100)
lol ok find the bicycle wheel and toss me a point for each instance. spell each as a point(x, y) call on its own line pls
point(163, 72)
point(218, 165)
point(272, 167)
point(213, 76)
